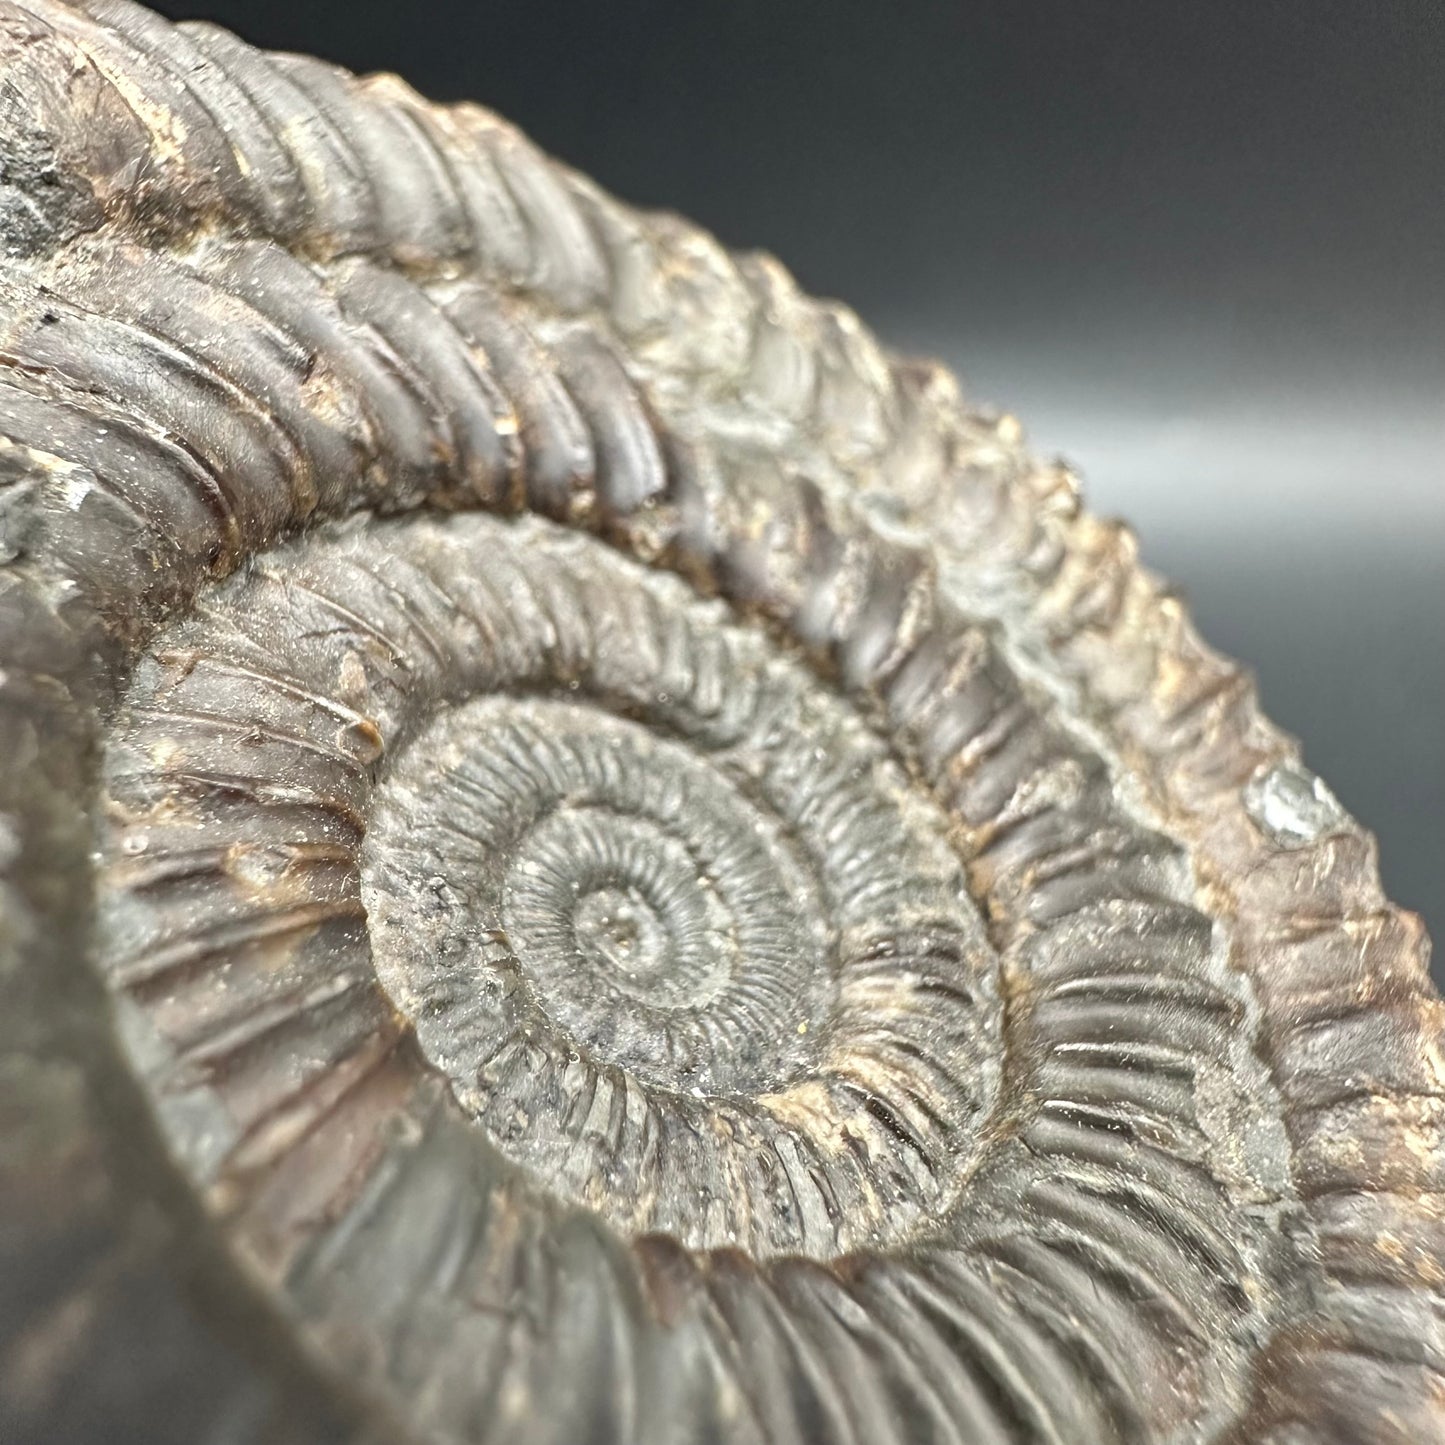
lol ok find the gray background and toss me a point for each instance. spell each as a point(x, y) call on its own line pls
point(1198, 248)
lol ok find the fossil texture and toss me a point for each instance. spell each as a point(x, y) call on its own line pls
point(588, 856)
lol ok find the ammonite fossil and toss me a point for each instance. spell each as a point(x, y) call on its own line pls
point(588, 856)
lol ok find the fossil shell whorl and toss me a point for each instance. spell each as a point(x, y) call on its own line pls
point(792, 938)
point(657, 907)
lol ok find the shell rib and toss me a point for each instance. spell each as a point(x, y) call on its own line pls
point(587, 855)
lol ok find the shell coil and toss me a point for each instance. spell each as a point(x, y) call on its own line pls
point(587, 855)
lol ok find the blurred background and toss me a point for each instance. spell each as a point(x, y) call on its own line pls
point(1198, 249)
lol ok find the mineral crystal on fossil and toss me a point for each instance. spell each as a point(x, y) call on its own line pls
point(589, 856)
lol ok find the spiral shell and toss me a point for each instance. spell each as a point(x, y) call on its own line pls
point(589, 856)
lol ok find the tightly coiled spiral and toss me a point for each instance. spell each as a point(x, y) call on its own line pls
point(591, 857)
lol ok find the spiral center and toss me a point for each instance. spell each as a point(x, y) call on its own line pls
point(618, 926)
point(623, 886)
point(683, 938)
point(602, 901)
